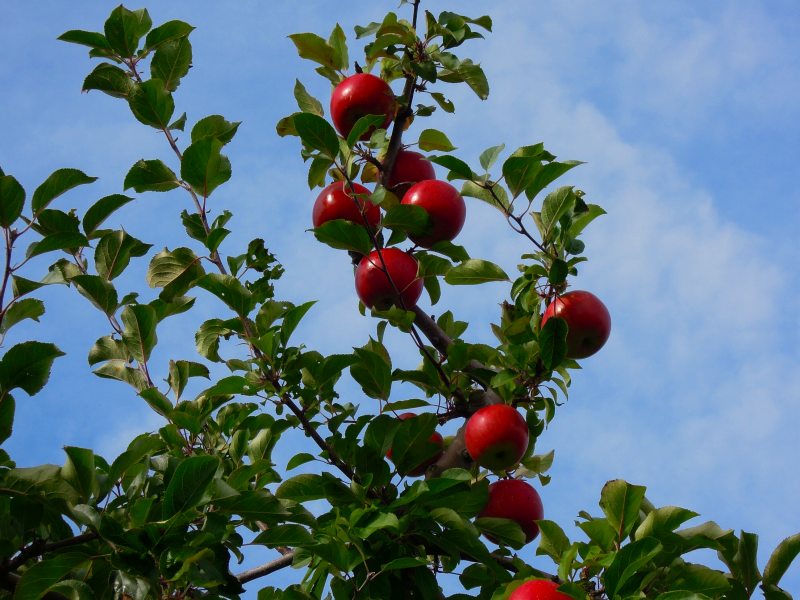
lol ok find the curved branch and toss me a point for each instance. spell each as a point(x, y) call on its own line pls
point(266, 568)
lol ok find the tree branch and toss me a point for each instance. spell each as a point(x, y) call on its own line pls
point(266, 568)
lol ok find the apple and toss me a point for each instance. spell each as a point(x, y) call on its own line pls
point(538, 589)
point(360, 95)
point(340, 201)
point(409, 168)
point(435, 438)
point(588, 320)
point(496, 436)
point(375, 289)
point(516, 500)
point(444, 206)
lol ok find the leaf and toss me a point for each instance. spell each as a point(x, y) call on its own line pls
point(284, 535)
point(457, 167)
point(302, 488)
point(547, 174)
point(114, 252)
point(519, 172)
point(124, 28)
point(338, 42)
point(475, 271)
point(292, 318)
point(555, 205)
point(781, 558)
point(100, 292)
point(180, 371)
point(553, 342)
point(299, 459)
point(157, 401)
point(230, 290)
point(139, 334)
point(496, 196)
point(432, 139)
point(7, 409)
point(489, 156)
point(150, 176)
point(93, 39)
point(372, 373)
point(554, 542)
point(27, 366)
point(172, 61)
point(627, 562)
point(167, 32)
point(79, 471)
point(661, 522)
point(40, 577)
point(317, 133)
point(175, 271)
point(107, 348)
point(27, 308)
point(344, 235)
point(59, 182)
point(152, 104)
point(12, 200)
point(121, 371)
point(620, 502)
point(362, 126)
point(475, 78)
point(101, 210)
point(64, 240)
point(581, 220)
point(215, 126)
point(204, 167)
point(307, 102)
point(189, 484)
point(207, 336)
point(109, 79)
point(409, 218)
point(312, 47)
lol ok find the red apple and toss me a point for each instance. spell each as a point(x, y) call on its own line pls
point(588, 320)
point(538, 589)
point(376, 290)
point(409, 168)
point(516, 500)
point(444, 205)
point(360, 95)
point(340, 201)
point(436, 438)
point(496, 436)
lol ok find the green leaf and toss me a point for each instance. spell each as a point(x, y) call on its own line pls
point(547, 174)
point(180, 371)
point(292, 318)
point(620, 502)
point(57, 241)
point(581, 220)
point(627, 562)
point(38, 579)
point(284, 535)
point(344, 235)
point(157, 401)
point(150, 176)
point(7, 408)
point(520, 172)
point(59, 182)
point(204, 167)
point(167, 32)
point(496, 196)
point(230, 290)
point(409, 218)
point(107, 348)
point(215, 126)
point(432, 139)
point(317, 133)
point(152, 103)
point(100, 292)
point(101, 210)
point(93, 39)
point(299, 459)
point(318, 171)
point(27, 308)
point(179, 123)
point(475, 271)
point(554, 542)
point(12, 200)
point(372, 373)
point(661, 522)
point(555, 205)
point(109, 79)
point(338, 42)
point(411, 446)
point(781, 558)
point(175, 271)
point(124, 28)
point(489, 156)
point(207, 336)
point(505, 531)
point(553, 342)
point(312, 47)
point(79, 471)
point(171, 62)
point(189, 484)
point(364, 124)
point(306, 101)
point(302, 488)
point(699, 579)
point(139, 334)
point(475, 78)
point(114, 252)
point(120, 370)
point(27, 366)
point(457, 167)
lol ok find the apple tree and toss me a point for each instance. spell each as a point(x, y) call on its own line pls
point(383, 504)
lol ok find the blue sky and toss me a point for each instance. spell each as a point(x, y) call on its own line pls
point(687, 115)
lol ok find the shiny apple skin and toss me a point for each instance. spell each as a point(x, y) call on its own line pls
point(373, 286)
point(538, 589)
point(435, 438)
point(496, 436)
point(444, 205)
point(516, 500)
point(360, 95)
point(588, 319)
point(337, 201)
point(409, 168)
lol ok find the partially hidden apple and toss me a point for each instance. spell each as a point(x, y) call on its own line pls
point(496, 436)
point(516, 500)
point(360, 95)
point(538, 589)
point(376, 290)
point(409, 168)
point(444, 206)
point(341, 201)
point(587, 318)
point(435, 439)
